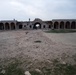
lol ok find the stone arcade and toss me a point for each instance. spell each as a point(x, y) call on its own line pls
point(52, 24)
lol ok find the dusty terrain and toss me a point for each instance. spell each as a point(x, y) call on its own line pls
point(21, 44)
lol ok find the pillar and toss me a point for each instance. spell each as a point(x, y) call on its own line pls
point(53, 25)
point(70, 25)
point(4, 26)
point(64, 25)
point(10, 26)
point(58, 25)
point(75, 25)
point(15, 26)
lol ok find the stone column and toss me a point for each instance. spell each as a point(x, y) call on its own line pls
point(10, 25)
point(58, 25)
point(16, 26)
point(4, 26)
point(52, 25)
point(64, 25)
point(75, 25)
point(70, 25)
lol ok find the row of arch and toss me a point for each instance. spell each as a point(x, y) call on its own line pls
point(7, 26)
point(59, 25)
point(65, 25)
point(55, 25)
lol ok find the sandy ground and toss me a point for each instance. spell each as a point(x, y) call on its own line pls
point(21, 44)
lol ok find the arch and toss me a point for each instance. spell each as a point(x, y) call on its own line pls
point(50, 26)
point(12, 26)
point(67, 25)
point(61, 25)
point(1, 26)
point(20, 26)
point(73, 25)
point(35, 27)
point(25, 26)
point(7, 26)
point(56, 25)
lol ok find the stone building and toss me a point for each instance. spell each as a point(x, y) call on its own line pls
point(52, 24)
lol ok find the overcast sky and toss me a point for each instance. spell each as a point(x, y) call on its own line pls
point(43, 9)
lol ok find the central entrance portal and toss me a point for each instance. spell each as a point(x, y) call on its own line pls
point(37, 26)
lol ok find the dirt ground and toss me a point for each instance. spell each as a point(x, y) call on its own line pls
point(21, 44)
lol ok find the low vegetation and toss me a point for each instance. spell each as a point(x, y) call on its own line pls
point(60, 69)
point(61, 31)
point(11, 69)
point(56, 68)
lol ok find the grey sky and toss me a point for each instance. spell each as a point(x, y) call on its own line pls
point(44, 9)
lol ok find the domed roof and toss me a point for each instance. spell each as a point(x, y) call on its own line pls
point(37, 19)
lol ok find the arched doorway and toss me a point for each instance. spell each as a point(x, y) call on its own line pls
point(20, 26)
point(12, 26)
point(56, 25)
point(50, 25)
point(44, 26)
point(37, 26)
point(1, 26)
point(73, 25)
point(67, 25)
point(62, 25)
point(30, 26)
point(7, 26)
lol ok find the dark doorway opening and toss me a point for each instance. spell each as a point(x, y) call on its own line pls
point(61, 25)
point(12, 26)
point(37, 26)
point(67, 25)
point(7, 26)
point(30, 26)
point(56, 25)
point(43, 26)
point(73, 25)
point(1, 26)
point(20, 26)
point(49, 26)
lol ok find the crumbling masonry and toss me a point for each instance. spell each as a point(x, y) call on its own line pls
point(52, 24)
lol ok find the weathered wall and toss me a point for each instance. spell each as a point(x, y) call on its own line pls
point(52, 24)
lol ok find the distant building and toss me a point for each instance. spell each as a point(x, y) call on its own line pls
point(52, 24)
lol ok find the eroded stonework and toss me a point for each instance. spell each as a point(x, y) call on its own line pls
point(52, 24)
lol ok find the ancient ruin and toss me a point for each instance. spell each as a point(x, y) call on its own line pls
point(38, 24)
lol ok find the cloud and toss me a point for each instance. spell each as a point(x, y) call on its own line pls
point(44, 9)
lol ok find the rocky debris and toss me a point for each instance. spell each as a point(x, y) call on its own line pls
point(27, 73)
point(64, 62)
point(37, 45)
point(38, 71)
point(3, 72)
point(27, 32)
